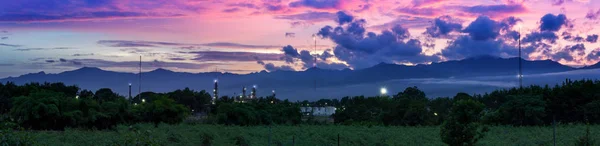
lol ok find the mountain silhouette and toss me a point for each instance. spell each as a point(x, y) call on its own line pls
point(162, 80)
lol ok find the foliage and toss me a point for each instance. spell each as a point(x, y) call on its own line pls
point(159, 109)
point(462, 127)
point(585, 140)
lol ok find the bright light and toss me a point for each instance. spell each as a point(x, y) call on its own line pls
point(214, 90)
point(216, 80)
point(519, 76)
point(135, 104)
point(271, 101)
point(254, 86)
point(273, 91)
point(129, 84)
point(383, 91)
point(143, 100)
point(435, 114)
point(192, 110)
point(77, 97)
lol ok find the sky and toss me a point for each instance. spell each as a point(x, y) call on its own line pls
point(244, 36)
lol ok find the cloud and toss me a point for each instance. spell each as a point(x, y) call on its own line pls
point(592, 38)
point(232, 56)
point(361, 49)
point(290, 34)
point(50, 11)
point(132, 64)
point(551, 22)
point(6, 64)
point(594, 55)
point(3, 38)
point(135, 50)
point(483, 28)
point(540, 36)
point(78, 55)
point(495, 11)
point(42, 49)
point(405, 21)
point(420, 3)
point(244, 5)
point(309, 16)
point(343, 18)
point(9, 45)
point(127, 43)
point(442, 26)
point(177, 59)
point(271, 67)
point(569, 53)
point(593, 15)
point(317, 4)
point(413, 11)
point(464, 47)
point(231, 10)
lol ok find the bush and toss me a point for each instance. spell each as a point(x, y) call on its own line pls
point(585, 140)
point(462, 126)
point(160, 109)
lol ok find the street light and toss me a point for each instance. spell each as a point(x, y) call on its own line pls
point(143, 100)
point(77, 97)
point(383, 91)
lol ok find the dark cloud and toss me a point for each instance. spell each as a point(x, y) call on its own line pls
point(540, 36)
point(551, 22)
point(343, 18)
point(62, 60)
point(569, 53)
point(133, 64)
point(232, 56)
point(41, 49)
point(9, 45)
point(317, 4)
point(594, 55)
point(50, 61)
point(361, 49)
point(442, 26)
point(41, 17)
point(495, 10)
point(271, 67)
point(6, 64)
point(270, 7)
point(464, 47)
point(90, 54)
point(326, 55)
point(592, 38)
point(309, 16)
point(231, 10)
point(483, 28)
point(244, 5)
point(177, 59)
point(3, 38)
point(593, 15)
point(290, 34)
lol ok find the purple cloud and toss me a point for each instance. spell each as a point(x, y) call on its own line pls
point(592, 38)
point(231, 10)
point(232, 56)
point(442, 26)
point(495, 10)
point(551, 22)
point(593, 15)
point(9, 45)
point(317, 4)
point(309, 16)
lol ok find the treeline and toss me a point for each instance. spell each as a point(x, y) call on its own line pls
point(570, 102)
point(55, 106)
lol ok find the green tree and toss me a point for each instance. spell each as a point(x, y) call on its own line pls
point(462, 127)
point(161, 109)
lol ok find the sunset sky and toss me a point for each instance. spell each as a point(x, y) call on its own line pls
point(243, 36)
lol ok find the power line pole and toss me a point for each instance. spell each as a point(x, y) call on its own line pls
point(520, 64)
point(140, 80)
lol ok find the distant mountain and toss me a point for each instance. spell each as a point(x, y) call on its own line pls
point(595, 66)
point(161, 80)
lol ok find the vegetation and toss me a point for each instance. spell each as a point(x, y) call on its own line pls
point(460, 120)
point(302, 135)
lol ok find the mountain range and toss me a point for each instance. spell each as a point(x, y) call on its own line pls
point(289, 83)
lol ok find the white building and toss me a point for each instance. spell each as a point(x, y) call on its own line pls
point(318, 111)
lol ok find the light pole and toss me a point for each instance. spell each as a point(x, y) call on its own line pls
point(130, 99)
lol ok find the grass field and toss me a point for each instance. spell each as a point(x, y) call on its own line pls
point(304, 135)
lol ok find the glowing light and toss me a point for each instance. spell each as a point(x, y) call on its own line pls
point(129, 84)
point(135, 104)
point(143, 100)
point(383, 91)
point(77, 97)
point(273, 91)
point(254, 86)
point(435, 114)
point(271, 101)
point(216, 80)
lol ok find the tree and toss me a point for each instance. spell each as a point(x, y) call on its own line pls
point(523, 110)
point(161, 109)
point(462, 127)
point(40, 110)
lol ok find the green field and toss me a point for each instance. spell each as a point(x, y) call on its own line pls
point(303, 135)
